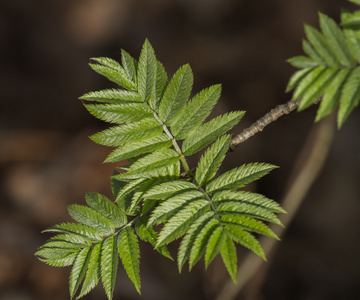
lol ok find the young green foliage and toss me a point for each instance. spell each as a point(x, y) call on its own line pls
point(331, 68)
point(157, 127)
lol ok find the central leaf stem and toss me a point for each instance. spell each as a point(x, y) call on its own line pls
point(175, 144)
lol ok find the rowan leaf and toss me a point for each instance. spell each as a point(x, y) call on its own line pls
point(109, 265)
point(128, 249)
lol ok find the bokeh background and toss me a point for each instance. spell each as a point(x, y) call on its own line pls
point(48, 162)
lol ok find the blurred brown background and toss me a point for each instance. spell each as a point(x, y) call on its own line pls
point(48, 162)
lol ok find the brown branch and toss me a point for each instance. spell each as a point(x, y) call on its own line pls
point(307, 168)
point(270, 117)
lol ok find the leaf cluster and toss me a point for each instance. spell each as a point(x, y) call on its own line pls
point(330, 69)
point(156, 126)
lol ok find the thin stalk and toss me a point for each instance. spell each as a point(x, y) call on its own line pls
point(176, 146)
point(270, 117)
point(207, 197)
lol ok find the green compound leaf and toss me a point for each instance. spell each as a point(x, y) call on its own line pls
point(337, 52)
point(132, 132)
point(107, 209)
point(129, 252)
point(176, 94)
point(89, 217)
point(115, 96)
point(211, 160)
point(79, 269)
point(113, 71)
point(210, 131)
point(229, 257)
point(93, 272)
point(153, 115)
point(109, 265)
point(195, 111)
point(239, 177)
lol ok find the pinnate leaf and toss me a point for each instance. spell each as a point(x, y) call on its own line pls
point(211, 160)
point(129, 64)
point(89, 217)
point(199, 247)
point(245, 209)
point(109, 265)
point(93, 271)
point(176, 94)
point(116, 96)
point(215, 243)
point(195, 111)
point(189, 239)
point(244, 238)
point(350, 96)
point(120, 113)
point(147, 71)
point(248, 224)
point(153, 161)
point(133, 132)
point(239, 177)
point(130, 149)
point(171, 206)
point(336, 40)
point(106, 208)
point(229, 257)
point(179, 223)
point(318, 41)
point(129, 252)
point(250, 198)
point(210, 131)
point(167, 189)
point(332, 94)
point(113, 71)
point(79, 269)
point(83, 231)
